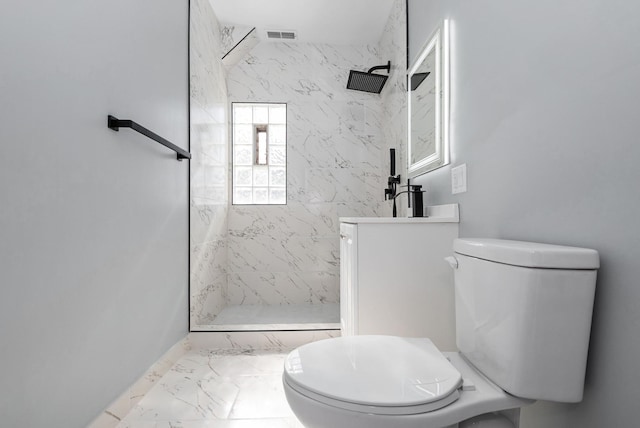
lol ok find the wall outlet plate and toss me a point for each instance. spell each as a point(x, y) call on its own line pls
point(459, 179)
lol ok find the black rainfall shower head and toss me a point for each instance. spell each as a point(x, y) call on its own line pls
point(417, 79)
point(368, 82)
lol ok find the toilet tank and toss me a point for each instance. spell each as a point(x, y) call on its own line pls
point(523, 314)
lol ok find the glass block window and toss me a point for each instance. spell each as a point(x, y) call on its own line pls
point(259, 153)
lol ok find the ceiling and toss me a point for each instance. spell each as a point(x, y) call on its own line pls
point(343, 22)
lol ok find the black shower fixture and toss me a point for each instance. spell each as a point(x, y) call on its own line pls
point(368, 82)
point(417, 79)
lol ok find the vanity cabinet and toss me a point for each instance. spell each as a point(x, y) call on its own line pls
point(394, 279)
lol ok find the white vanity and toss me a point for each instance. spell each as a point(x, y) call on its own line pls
point(393, 276)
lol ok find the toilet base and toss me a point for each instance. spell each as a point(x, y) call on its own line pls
point(314, 414)
point(485, 398)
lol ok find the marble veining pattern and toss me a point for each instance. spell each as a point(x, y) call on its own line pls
point(230, 35)
point(423, 111)
point(337, 164)
point(117, 410)
point(290, 254)
point(237, 43)
point(393, 46)
point(264, 288)
point(202, 343)
point(209, 166)
point(222, 388)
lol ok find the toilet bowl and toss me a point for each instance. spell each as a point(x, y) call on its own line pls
point(387, 381)
point(517, 306)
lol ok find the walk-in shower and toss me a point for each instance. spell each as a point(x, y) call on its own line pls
point(265, 246)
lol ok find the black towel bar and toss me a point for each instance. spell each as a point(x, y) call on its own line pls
point(115, 124)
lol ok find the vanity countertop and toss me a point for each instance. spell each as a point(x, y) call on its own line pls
point(436, 214)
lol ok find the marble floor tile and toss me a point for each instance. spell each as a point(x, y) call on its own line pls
point(225, 389)
point(261, 397)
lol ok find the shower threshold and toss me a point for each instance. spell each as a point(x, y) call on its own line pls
point(325, 316)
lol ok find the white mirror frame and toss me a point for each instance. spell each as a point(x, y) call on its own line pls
point(440, 42)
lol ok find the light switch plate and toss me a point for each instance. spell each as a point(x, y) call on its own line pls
point(459, 179)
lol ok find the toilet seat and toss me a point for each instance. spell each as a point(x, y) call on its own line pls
point(383, 375)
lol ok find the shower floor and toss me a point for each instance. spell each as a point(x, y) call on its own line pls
point(324, 316)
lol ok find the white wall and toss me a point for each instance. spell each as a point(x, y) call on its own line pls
point(93, 225)
point(544, 113)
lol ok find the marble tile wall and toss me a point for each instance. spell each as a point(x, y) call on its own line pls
point(423, 111)
point(338, 143)
point(393, 47)
point(290, 254)
point(209, 166)
point(237, 42)
point(231, 34)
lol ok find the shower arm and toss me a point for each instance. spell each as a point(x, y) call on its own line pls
point(381, 67)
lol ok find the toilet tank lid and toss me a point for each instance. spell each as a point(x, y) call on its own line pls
point(528, 254)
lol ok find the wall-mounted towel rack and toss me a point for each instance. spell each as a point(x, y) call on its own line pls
point(115, 124)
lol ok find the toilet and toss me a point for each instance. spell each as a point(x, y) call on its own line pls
point(523, 318)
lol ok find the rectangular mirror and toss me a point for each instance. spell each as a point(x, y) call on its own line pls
point(428, 112)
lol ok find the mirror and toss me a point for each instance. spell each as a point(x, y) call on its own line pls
point(428, 112)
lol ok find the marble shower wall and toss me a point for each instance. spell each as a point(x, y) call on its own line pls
point(393, 47)
point(290, 254)
point(209, 166)
point(230, 35)
point(338, 143)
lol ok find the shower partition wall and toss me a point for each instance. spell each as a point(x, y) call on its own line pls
point(209, 194)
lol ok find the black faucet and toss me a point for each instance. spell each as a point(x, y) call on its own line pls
point(414, 192)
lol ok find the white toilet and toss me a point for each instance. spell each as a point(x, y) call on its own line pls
point(523, 317)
